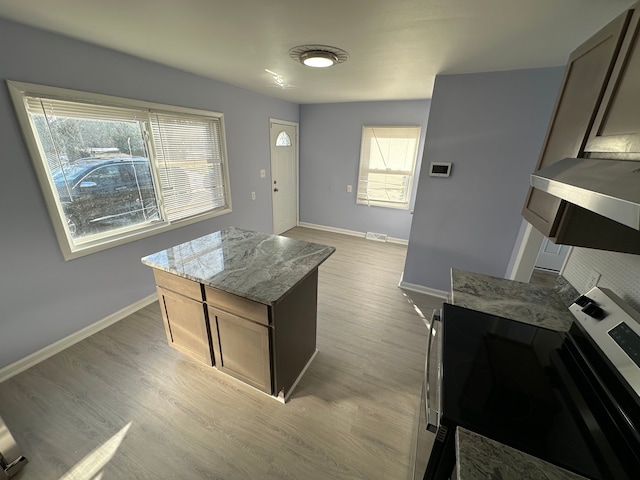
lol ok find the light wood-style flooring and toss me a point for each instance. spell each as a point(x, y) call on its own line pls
point(122, 404)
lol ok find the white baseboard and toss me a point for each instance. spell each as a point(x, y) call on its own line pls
point(353, 233)
point(412, 287)
point(56, 347)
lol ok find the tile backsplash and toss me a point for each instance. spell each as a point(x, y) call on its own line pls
point(620, 272)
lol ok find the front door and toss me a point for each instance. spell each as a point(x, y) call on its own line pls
point(551, 256)
point(284, 174)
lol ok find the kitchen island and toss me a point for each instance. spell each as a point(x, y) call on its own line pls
point(244, 303)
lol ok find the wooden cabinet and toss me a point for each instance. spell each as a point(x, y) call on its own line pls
point(184, 315)
point(582, 90)
point(241, 348)
point(266, 346)
point(596, 115)
point(617, 125)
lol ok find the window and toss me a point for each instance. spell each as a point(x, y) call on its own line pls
point(113, 170)
point(387, 164)
point(283, 140)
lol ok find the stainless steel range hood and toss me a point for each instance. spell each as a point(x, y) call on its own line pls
point(610, 188)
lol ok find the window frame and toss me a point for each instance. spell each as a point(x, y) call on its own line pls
point(18, 92)
point(360, 200)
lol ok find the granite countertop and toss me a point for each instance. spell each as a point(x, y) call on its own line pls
point(253, 265)
point(479, 457)
point(533, 304)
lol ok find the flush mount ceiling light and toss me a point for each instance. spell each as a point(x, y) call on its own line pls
point(318, 56)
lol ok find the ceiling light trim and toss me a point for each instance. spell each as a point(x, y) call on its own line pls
point(326, 55)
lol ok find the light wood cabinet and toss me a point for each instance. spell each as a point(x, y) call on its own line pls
point(582, 90)
point(185, 324)
point(266, 346)
point(241, 348)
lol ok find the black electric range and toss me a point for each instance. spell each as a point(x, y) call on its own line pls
point(571, 399)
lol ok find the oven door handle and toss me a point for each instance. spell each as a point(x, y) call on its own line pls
point(433, 366)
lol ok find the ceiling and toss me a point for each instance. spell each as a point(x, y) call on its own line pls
point(395, 47)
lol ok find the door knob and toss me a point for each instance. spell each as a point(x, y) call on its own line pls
point(275, 189)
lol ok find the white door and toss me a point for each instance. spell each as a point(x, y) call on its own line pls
point(551, 256)
point(284, 174)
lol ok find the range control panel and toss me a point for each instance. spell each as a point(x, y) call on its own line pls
point(615, 327)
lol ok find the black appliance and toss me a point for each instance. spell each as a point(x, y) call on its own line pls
point(571, 399)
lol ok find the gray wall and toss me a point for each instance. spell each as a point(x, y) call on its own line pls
point(42, 297)
point(491, 126)
point(330, 136)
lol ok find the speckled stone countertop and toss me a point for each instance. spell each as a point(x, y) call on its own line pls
point(253, 265)
point(533, 304)
point(480, 458)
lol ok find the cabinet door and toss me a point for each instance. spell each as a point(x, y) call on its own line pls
point(617, 125)
point(582, 89)
point(241, 348)
point(185, 325)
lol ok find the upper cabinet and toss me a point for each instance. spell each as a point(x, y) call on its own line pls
point(583, 86)
point(617, 125)
point(596, 115)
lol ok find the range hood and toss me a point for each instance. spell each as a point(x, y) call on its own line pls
point(610, 188)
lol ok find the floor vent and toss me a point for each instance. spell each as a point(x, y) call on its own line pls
point(378, 237)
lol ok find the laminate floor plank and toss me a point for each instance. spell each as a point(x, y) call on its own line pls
point(122, 404)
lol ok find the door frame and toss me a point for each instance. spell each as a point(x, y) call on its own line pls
point(296, 125)
point(527, 254)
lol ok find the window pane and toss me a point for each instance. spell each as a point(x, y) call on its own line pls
point(99, 170)
point(386, 187)
point(190, 167)
point(114, 170)
point(387, 164)
point(283, 140)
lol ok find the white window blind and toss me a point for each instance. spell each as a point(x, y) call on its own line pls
point(168, 164)
point(189, 161)
point(54, 108)
point(57, 116)
point(387, 164)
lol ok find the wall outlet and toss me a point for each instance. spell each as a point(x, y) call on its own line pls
point(253, 195)
point(349, 188)
point(594, 277)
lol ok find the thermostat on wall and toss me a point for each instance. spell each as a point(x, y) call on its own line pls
point(440, 169)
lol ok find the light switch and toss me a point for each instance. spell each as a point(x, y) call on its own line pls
point(253, 195)
point(348, 188)
point(263, 173)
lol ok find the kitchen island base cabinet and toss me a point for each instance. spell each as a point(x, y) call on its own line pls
point(268, 349)
point(266, 346)
point(185, 324)
point(295, 322)
point(241, 348)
